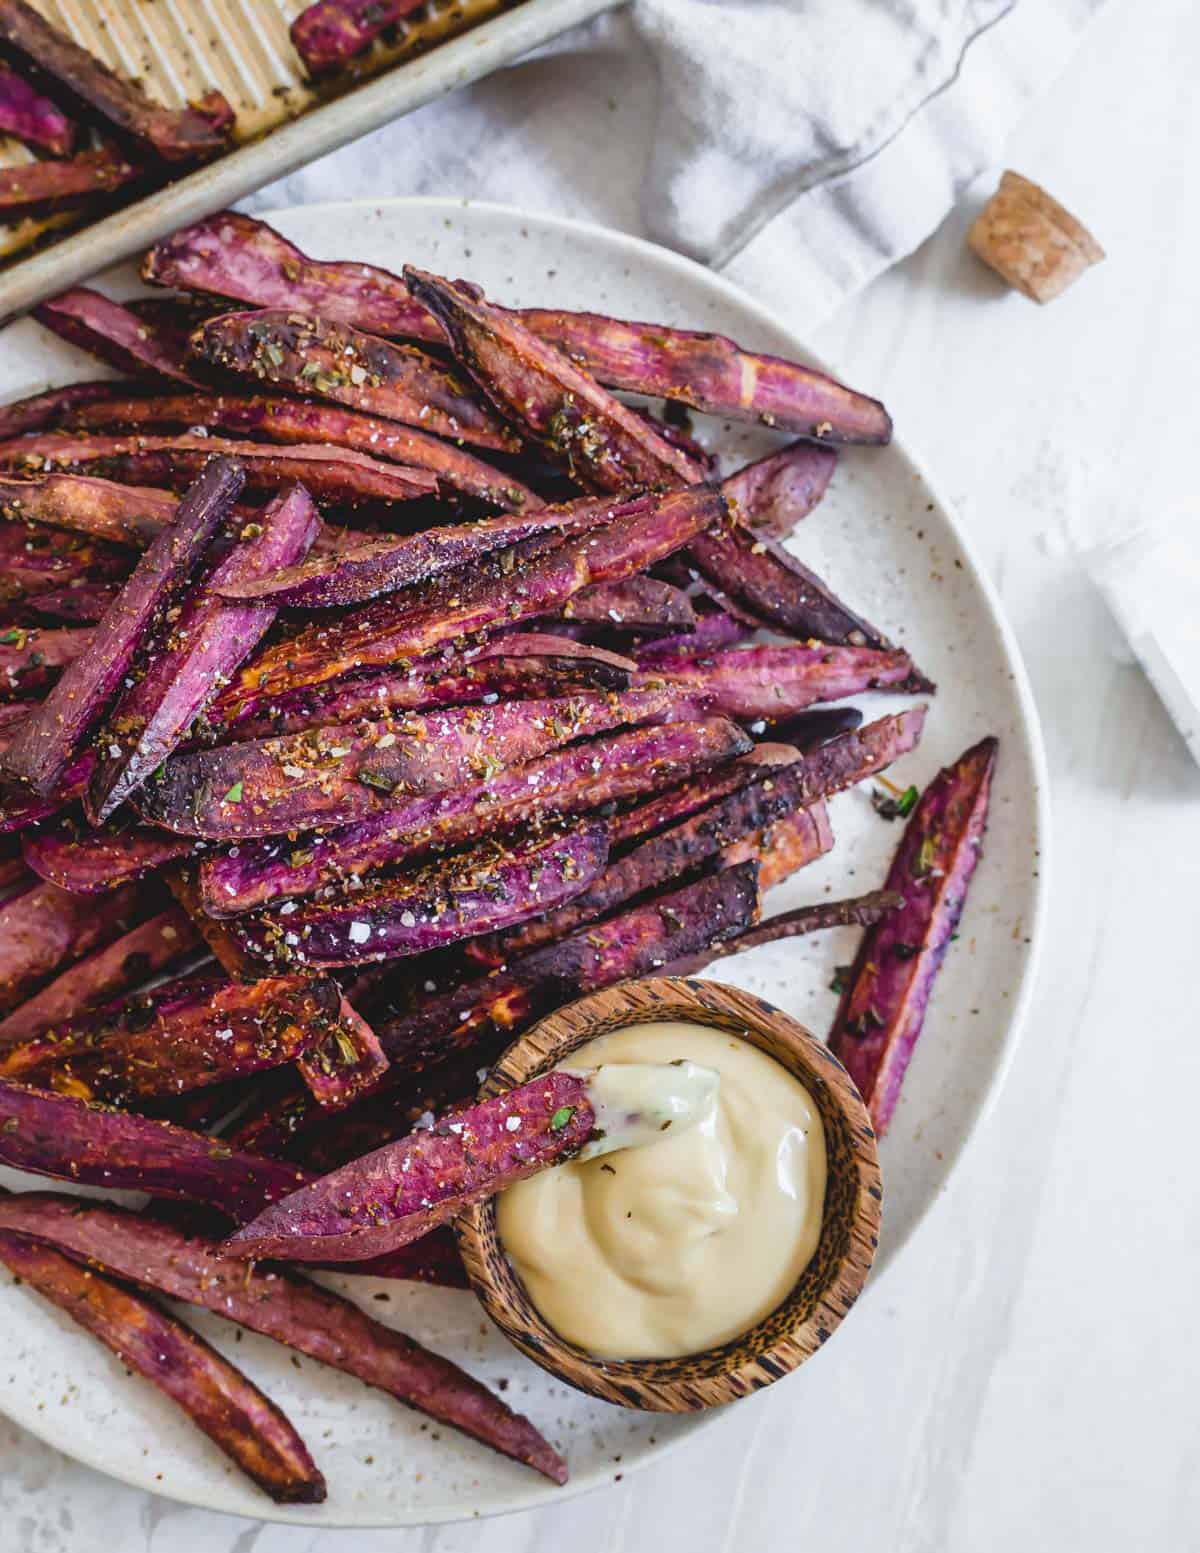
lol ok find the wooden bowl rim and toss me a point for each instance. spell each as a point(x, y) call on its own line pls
point(761, 1355)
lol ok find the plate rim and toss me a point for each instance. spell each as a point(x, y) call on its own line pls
point(979, 1110)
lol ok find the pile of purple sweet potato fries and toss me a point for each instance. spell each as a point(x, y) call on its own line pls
point(364, 701)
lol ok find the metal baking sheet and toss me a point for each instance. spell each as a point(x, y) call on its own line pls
point(179, 49)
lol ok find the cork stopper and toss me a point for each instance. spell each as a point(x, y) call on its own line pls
point(1031, 241)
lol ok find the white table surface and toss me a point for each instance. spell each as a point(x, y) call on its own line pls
point(1025, 1376)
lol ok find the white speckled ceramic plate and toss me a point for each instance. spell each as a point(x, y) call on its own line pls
point(884, 539)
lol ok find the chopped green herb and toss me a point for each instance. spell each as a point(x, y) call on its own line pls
point(895, 808)
point(561, 1117)
point(841, 978)
point(12, 638)
point(925, 856)
point(234, 795)
point(376, 779)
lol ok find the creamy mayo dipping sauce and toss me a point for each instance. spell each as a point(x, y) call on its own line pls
point(659, 1251)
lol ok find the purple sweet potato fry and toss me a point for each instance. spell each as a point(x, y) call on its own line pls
point(125, 514)
point(774, 493)
point(334, 475)
point(32, 658)
point(535, 578)
point(82, 604)
point(642, 605)
point(778, 588)
point(261, 417)
point(711, 373)
point(42, 188)
point(713, 630)
point(887, 992)
point(105, 974)
point(56, 406)
point(203, 649)
point(33, 118)
point(603, 443)
point(405, 1189)
point(808, 730)
point(20, 807)
point(784, 846)
point(340, 774)
point(567, 782)
point(478, 891)
point(94, 1145)
point(347, 1062)
point(217, 1397)
point(329, 360)
point(112, 333)
point(330, 33)
point(44, 929)
point(860, 911)
point(481, 1014)
point(172, 134)
point(90, 861)
point(184, 1034)
point(234, 256)
point(52, 736)
point(770, 682)
point(368, 568)
point(304, 1317)
point(558, 668)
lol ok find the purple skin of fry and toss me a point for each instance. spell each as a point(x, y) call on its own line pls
point(57, 1135)
point(472, 893)
point(861, 911)
point(883, 1009)
point(303, 1316)
point(90, 862)
point(774, 493)
point(33, 118)
point(285, 421)
point(603, 443)
point(235, 256)
point(711, 632)
point(711, 373)
point(331, 474)
point(330, 33)
point(174, 135)
point(53, 735)
point(105, 974)
point(533, 579)
point(112, 333)
point(398, 382)
point(55, 407)
point(338, 775)
point(566, 782)
point(219, 1399)
point(125, 514)
point(44, 929)
point(638, 604)
point(20, 809)
point(753, 683)
point(405, 1189)
point(778, 588)
point(204, 647)
point(40, 188)
point(354, 575)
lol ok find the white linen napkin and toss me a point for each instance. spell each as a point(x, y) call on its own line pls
point(800, 146)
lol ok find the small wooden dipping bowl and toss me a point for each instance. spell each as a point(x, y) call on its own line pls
point(826, 1289)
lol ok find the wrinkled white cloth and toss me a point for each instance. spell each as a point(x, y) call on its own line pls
point(800, 146)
